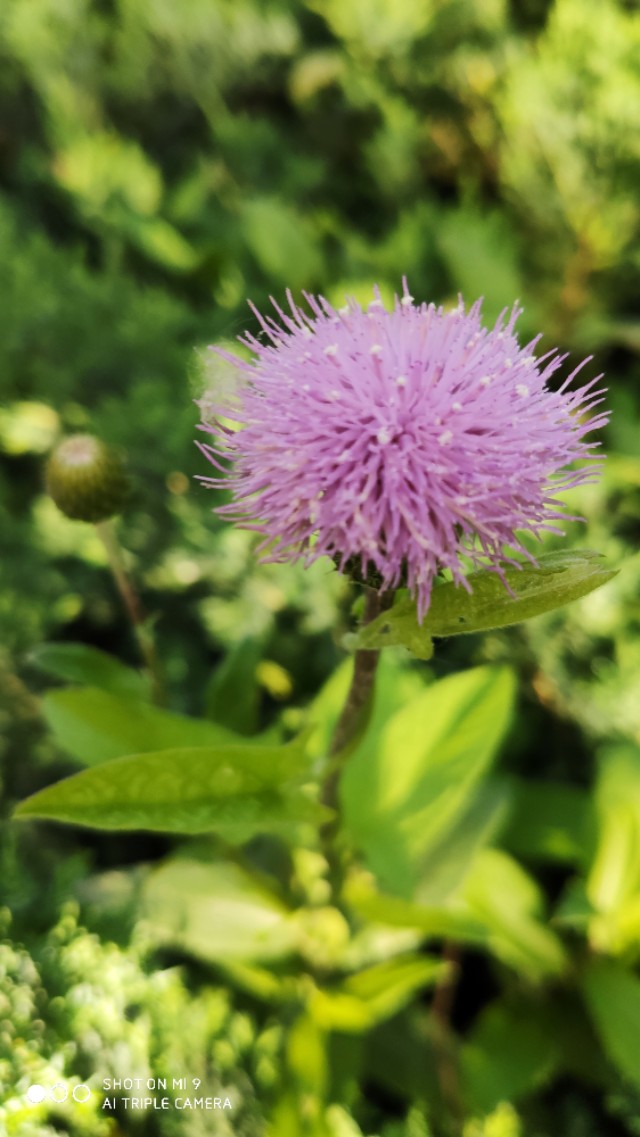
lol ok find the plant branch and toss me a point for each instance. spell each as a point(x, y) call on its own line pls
point(445, 1057)
point(352, 721)
point(133, 607)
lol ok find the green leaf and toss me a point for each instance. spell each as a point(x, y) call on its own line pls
point(509, 1052)
point(233, 696)
point(434, 921)
point(614, 877)
point(79, 663)
point(217, 912)
point(162, 242)
point(574, 909)
point(480, 250)
point(95, 726)
point(445, 865)
point(509, 903)
point(404, 790)
point(259, 982)
point(612, 996)
point(615, 871)
point(559, 578)
point(282, 241)
point(234, 791)
point(401, 1057)
point(374, 994)
point(550, 822)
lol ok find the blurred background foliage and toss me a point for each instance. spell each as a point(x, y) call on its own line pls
point(160, 162)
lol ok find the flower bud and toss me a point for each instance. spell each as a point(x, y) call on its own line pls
point(87, 479)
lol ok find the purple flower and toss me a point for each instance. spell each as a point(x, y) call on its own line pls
point(404, 441)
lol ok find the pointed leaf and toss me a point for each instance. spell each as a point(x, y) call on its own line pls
point(95, 726)
point(79, 663)
point(232, 790)
point(559, 578)
point(404, 790)
point(434, 921)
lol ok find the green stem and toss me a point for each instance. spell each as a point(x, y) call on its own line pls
point(133, 607)
point(350, 724)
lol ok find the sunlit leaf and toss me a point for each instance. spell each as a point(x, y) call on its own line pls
point(434, 921)
point(404, 789)
point(613, 881)
point(216, 912)
point(374, 994)
point(510, 904)
point(235, 791)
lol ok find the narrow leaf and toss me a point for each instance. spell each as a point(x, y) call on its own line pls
point(375, 994)
point(79, 663)
point(559, 578)
point(95, 726)
point(434, 921)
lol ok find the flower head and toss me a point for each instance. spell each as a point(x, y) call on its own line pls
point(403, 442)
point(87, 479)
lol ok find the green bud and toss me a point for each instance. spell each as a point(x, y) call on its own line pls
point(87, 479)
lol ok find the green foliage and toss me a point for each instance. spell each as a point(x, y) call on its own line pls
point(510, 1050)
point(408, 784)
point(235, 791)
point(217, 912)
point(510, 903)
point(613, 999)
point(80, 663)
point(232, 698)
point(556, 580)
point(79, 1010)
point(95, 725)
point(158, 164)
point(552, 822)
point(374, 994)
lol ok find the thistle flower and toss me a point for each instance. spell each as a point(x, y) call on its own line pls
point(401, 442)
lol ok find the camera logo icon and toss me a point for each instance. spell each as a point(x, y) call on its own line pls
point(58, 1094)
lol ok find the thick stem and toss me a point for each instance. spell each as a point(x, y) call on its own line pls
point(133, 607)
point(352, 719)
